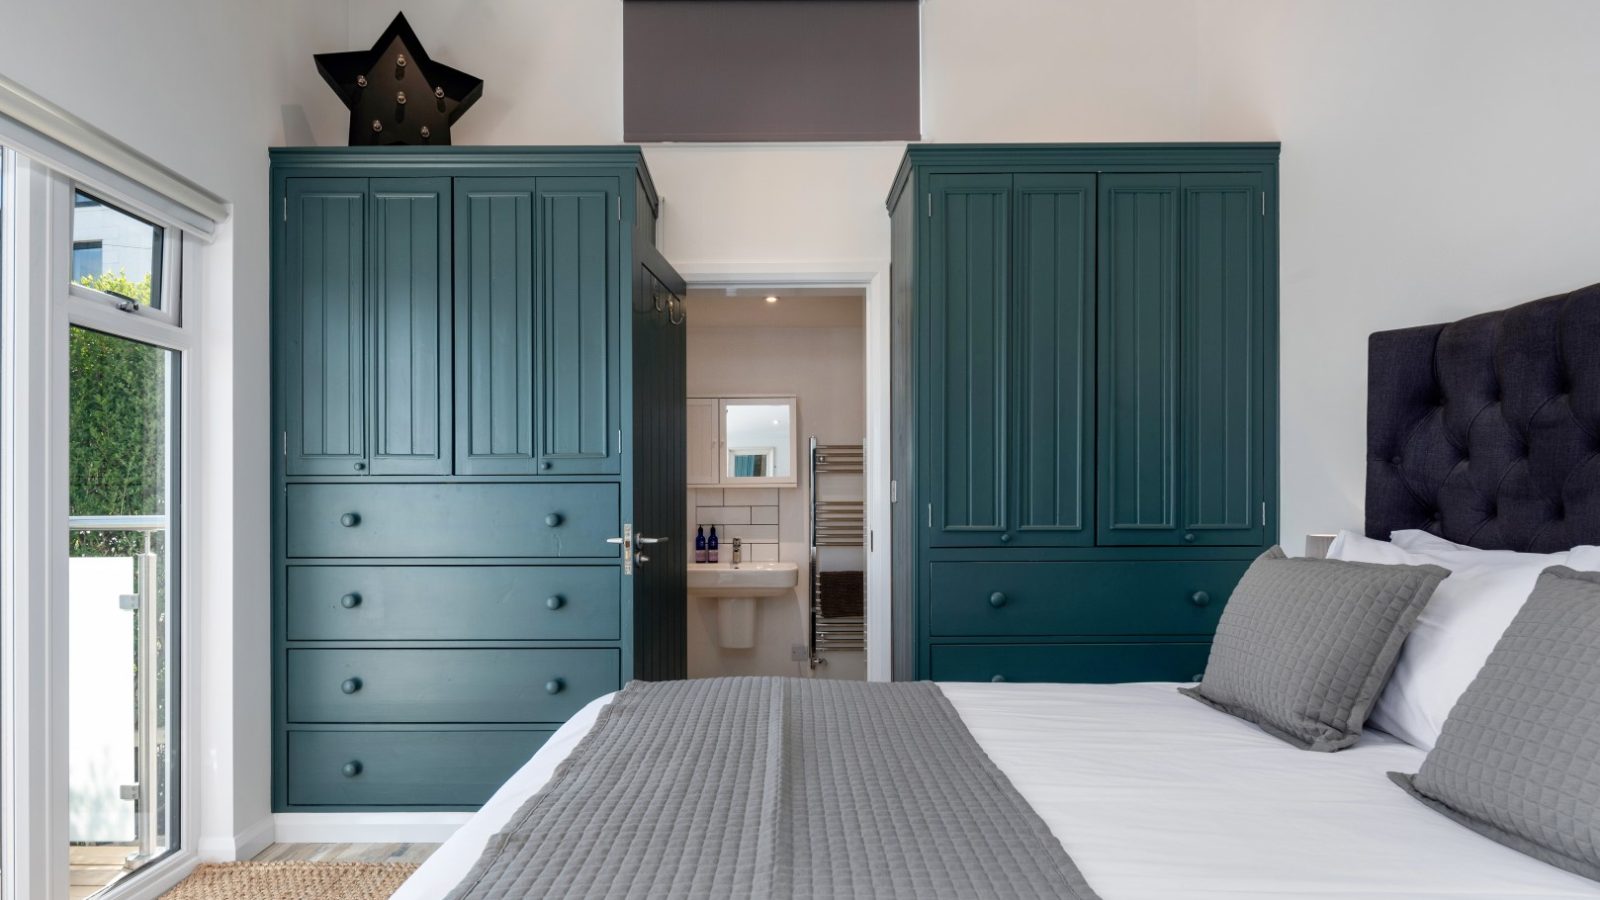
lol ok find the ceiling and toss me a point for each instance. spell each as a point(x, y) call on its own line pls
point(796, 308)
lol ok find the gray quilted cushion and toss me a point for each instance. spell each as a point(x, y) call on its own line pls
point(1519, 758)
point(1305, 645)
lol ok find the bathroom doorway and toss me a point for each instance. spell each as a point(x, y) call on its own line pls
point(771, 370)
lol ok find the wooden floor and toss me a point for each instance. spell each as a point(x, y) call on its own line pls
point(411, 853)
point(94, 867)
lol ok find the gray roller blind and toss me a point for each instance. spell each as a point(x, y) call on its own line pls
point(771, 70)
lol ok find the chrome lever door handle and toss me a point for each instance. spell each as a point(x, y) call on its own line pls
point(649, 540)
point(620, 540)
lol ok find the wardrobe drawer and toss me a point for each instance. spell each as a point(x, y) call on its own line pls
point(454, 685)
point(1073, 598)
point(453, 603)
point(1083, 663)
point(404, 768)
point(421, 520)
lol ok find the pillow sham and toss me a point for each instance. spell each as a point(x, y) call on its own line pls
point(1305, 645)
point(1516, 761)
point(1454, 633)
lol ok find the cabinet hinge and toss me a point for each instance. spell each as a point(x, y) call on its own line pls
point(894, 492)
point(284, 444)
point(1263, 514)
point(930, 515)
point(1263, 203)
point(619, 207)
point(619, 441)
point(930, 205)
point(286, 208)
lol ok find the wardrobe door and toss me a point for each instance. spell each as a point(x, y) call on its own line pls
point(495, 329)
point(1222, 371)
point(1139, 366)
point(322, 329)
point(1052, 361)
point(966, 391)
point(409, 313)
point(579, 302)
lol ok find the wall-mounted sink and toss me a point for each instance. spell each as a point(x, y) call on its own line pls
point(736, 588)
point(747, 579)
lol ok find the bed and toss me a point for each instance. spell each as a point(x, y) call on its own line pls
point(1155, 796)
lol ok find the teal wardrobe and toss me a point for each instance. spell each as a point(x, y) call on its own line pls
point(1085, 389)
point(478, 439)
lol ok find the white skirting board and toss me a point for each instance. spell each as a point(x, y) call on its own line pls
point(367, 828)
point(241, 846)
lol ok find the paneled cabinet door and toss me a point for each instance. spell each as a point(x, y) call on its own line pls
point(1223, 365)
point(409, 316)
point(1180, 390)
point(579, 302)
point(496, 330)
point(965, 389)
point(1052, 350)
point(322, 299)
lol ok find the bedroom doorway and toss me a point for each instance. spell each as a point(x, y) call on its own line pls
point(777, 449)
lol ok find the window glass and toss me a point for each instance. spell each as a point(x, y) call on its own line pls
point(115, 251)
point(122, 628)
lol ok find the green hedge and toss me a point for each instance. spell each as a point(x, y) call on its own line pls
point(118, 399)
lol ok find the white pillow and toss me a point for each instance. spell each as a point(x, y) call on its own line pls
point(1585, 558)
point(1456, 631)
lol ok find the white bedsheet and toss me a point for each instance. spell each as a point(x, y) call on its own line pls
point(1158, 797)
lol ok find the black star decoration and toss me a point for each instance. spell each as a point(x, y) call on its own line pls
point(396, 93)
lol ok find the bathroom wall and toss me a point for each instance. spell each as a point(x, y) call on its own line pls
point(812, 348)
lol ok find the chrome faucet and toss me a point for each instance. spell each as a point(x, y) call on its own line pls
point(738, 546)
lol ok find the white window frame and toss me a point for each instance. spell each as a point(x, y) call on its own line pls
point(167, 298)
point(38, 307)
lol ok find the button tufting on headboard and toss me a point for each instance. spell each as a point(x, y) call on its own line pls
point(1486, 431)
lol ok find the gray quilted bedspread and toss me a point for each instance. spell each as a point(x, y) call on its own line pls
point(776, 788)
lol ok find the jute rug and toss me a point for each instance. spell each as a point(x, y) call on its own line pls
point(292, 881)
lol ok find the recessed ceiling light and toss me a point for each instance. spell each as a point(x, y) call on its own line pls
point(772, 298)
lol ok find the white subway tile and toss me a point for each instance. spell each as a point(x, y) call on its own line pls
point(705, 497)
point(750, 496)
point(750, 533)
point(723, 515)
point(763, 515)
point(763, 552)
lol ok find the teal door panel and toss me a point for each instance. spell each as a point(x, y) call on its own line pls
point(410, 322)
point(444, 520)
point(496, 327)
point(1080, 598)
point(404, 768)
point(322, 358)
point(453, 603)
point(1139, 359)
point(1052, 362)
point(1222, 360)
point(1072, 663)
point(446, 686)
point(966, 391)
point(579, 305)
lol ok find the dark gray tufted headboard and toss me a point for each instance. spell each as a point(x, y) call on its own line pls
point(1486, 431)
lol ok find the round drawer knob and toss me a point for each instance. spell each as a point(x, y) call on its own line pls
point(1188, 536)
point(361, 467)
point(997, 599)
point(352, 768)
point(544, 464)
point(1005, 538)
point(350, 685)
point(1200, 598)
point(998, 678)
point(350, 601)
point(350, 520)
point(555, 601)
point(553, 519)
point(554, 686)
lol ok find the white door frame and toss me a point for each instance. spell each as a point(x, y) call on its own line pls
point(872, 277)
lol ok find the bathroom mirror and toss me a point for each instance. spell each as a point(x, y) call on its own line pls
point(758, 441)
